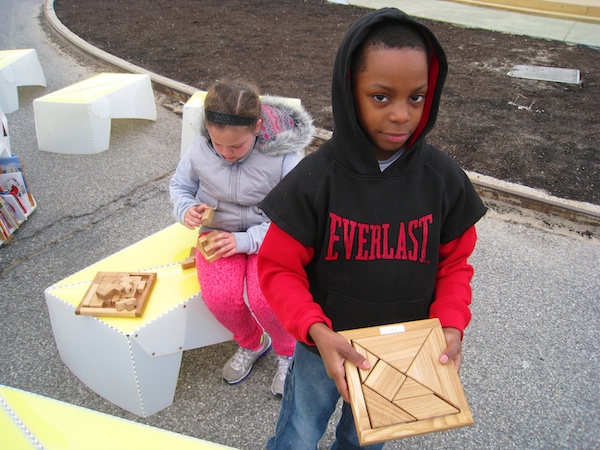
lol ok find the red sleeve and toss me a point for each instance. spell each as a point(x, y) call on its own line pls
point(284, 283)
point(453, 284)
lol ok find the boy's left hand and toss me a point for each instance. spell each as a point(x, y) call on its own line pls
point(334, 350)
point(453, 350)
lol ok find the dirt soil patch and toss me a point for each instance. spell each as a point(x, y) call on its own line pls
point(539, 134)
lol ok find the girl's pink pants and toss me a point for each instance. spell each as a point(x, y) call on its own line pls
point(222, 288)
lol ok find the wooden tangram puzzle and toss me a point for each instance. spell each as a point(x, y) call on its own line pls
point(121, 294)
point(407, 391)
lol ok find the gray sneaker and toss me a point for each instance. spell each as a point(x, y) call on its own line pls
point(283, 363)
point(239, 365)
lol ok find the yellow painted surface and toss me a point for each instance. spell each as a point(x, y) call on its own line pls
point(168, 246)
point(197, 99)
point(581, 10)
point(7, 57)
point(88, 90)
point(59, 425)
point(161, 252)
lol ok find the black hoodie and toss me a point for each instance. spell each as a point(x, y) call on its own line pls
point(376, 235)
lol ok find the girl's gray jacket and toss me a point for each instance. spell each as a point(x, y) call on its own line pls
point(234, 190)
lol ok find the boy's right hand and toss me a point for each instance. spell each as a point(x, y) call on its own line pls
point(193, 216)
point(335, 349)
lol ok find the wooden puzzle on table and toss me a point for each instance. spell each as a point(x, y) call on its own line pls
point(190, 261)
point(117, 294)
point(203, 242)
point(407, 391)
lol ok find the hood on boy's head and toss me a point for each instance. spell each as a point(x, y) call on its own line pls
point(347, 131)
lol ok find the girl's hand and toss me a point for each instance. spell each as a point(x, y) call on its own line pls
point(453, 350)
point(193, 216)
point(224, 244)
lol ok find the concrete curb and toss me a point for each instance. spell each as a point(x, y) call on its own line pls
point(583, 214)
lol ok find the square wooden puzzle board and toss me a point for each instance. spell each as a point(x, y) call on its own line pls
point(407, 391)
point(117, 294)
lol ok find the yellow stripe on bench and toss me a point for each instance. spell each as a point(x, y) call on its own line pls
point(18, 68)
point(27, 418)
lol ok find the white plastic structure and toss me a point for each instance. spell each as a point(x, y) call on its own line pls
point(18, 68)
point(4, 136)
point(134, 362)
point(77, 119)
point(190, 125)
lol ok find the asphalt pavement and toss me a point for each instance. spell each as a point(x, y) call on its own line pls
point(531, 367)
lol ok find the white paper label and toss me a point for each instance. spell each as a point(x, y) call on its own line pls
point(392, 329)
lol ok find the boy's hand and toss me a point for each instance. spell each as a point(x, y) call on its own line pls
point(334, 350)
point(193, 216)
point(453, 350)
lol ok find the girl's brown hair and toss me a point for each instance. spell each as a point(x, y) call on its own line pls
point(233, 98)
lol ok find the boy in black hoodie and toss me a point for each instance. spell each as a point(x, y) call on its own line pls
point(374, 228)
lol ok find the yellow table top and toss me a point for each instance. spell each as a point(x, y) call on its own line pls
point(28, 419)
point(7, 57)
point(160, 253)
point(91, 89)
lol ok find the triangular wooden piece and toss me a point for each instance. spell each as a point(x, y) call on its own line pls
point(426, 406)
point(364, 373)
point(385, 380)
point(409, 389)
point(383, 413)
point(398, 349)
point(430, 372)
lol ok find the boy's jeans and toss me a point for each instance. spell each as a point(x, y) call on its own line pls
point(309, 400)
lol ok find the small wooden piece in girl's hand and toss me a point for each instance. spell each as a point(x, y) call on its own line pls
point(207, 216)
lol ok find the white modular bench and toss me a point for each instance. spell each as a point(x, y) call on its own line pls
point(134, 362)
point(77, 118)
point(190, 125)
point(18, 68)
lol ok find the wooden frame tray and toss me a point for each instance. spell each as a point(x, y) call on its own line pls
point(117, 294)
point(407, 391)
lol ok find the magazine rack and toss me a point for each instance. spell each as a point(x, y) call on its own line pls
point(134, 362)
point(18, 68)
point(77, 118)
point(16, 201)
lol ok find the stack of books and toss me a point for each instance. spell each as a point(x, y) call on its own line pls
point(16, 201)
